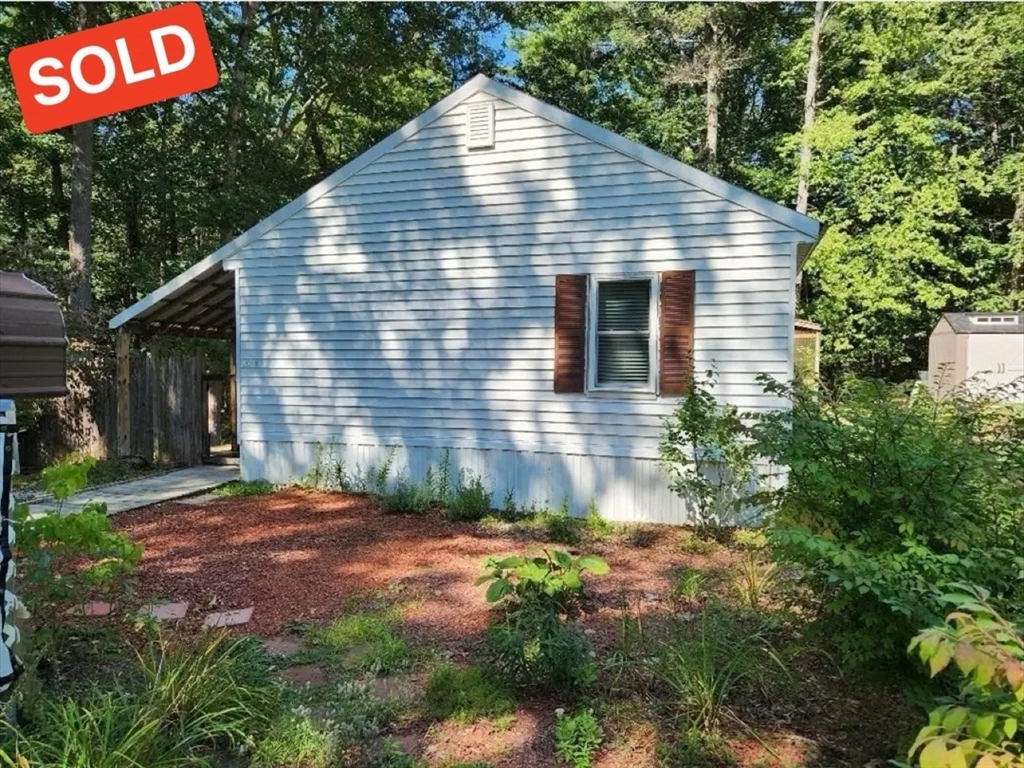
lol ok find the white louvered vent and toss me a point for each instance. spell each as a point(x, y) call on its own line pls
point(480, 126)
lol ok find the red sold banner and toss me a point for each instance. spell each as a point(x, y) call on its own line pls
point(113, 67)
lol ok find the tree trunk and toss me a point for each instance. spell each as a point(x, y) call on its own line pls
point(80, 229)
point(235, 115)
point(711, 140)
point(810, 97)
point(1017, 245)
point(714, 82)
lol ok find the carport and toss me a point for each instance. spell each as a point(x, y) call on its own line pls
point(198, 303)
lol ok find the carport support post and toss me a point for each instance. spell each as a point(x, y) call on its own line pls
point(124, 405)
point(233, 391)
point(158, 396)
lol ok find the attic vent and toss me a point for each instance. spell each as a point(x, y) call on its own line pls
point(987, 319)
point(480, 126)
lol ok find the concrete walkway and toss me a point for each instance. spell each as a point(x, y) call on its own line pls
point(120, 497)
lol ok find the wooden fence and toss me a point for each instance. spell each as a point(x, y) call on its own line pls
point(168, 403)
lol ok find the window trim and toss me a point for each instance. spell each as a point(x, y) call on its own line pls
point(593, 286)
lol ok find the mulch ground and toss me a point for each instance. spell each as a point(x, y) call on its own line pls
point(301, 557)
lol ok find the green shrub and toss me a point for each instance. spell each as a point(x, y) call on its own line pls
point(532, 646)
point(329, 472)
point(63, 559)
point(595, 523)
point(245, 488)
point(406, 495)
point(465, 695)
point(556, 578)
point(577, 738)
point(188, 699)
point(981, 725)
point(559, 526)
point(470, 501)
point(707, 457)
point(891, 498)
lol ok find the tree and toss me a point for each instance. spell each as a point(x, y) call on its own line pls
point(80, 232)
point(810, 97)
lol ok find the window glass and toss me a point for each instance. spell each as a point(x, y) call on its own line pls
point(623, 332)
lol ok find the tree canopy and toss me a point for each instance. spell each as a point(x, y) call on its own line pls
point(917, 142)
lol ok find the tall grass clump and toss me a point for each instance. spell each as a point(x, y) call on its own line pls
point(185, 702)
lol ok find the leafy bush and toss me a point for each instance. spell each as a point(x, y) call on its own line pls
point(407, 496)
point(556, 578)
point(329, 472)
point(891, 498)
point(63, 559)
point(188, 700)
point(470, 500)
point(978, 727)
point(577, 738)
point(465, 695)
point(532, 646)
point(559, 526)
point(707, 457)
point(596, 524)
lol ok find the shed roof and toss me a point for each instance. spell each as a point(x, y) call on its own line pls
point(33, 343)
point(167, 293)
point(985, 322)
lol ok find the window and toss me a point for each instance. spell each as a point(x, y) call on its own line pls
point(632, 333)
point(623, 316)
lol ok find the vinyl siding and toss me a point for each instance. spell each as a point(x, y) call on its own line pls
point(413, 304)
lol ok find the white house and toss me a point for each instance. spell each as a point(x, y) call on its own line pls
point(982, 351)
point(505, 280)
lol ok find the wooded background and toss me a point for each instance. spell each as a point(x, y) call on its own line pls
point(900, 126)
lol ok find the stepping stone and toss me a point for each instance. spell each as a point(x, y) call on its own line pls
point(90, 609)
point(227, 618)
point(306, 674)
point(165, 611)
point(283, 645)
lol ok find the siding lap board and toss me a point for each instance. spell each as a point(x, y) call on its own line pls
point(413, 306)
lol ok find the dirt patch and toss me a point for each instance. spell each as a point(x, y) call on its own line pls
point(305, 674)
point(283, 645)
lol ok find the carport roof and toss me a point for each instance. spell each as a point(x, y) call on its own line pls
point(199, 302)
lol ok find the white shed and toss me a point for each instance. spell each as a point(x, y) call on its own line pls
point(508, 281)
point(979, 350)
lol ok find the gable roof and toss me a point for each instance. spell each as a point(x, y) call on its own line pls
point(483, 84)
point(967, 322)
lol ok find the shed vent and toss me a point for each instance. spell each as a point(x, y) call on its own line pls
point(480, 126)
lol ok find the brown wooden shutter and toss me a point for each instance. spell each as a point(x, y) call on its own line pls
point(676, 332)
point(570, 332)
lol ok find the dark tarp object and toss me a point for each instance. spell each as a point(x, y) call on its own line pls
point(33, 344)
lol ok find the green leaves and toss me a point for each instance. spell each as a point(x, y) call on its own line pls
point(979, 730)
point(557, 576)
